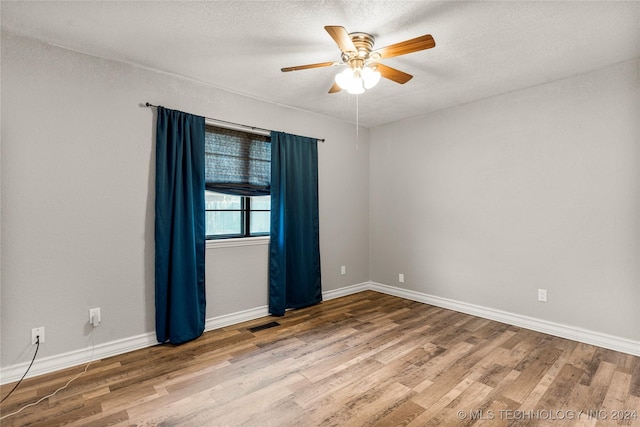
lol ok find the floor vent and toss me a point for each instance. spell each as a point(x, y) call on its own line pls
point(265, 326)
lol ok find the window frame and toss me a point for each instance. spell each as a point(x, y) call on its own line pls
point(245, 221)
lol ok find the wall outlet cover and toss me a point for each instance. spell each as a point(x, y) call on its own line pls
point(35, 333)
point(542, 295)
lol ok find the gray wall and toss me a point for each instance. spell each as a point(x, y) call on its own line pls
point(482, 203)
point(77, 197)
point(540, 188)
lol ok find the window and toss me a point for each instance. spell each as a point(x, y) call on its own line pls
point(238, 178)
point(236, 216)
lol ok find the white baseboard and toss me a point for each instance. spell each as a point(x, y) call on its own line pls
point(623, 345)
point(347, 290)
point(102, 351)
point(79, 357)
point(58, 362)
point(235, 318)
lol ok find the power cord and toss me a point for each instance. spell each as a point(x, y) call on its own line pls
point(25, 374)
point(93, 347)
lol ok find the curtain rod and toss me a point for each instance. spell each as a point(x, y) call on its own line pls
point(253, 128)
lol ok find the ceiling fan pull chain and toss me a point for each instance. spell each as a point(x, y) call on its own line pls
point(357, 122)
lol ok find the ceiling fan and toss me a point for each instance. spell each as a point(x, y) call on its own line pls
point(364, 70)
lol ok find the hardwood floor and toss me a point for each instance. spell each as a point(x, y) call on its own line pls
point(367, 359)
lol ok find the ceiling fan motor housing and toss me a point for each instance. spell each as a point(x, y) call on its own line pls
point(364, 44)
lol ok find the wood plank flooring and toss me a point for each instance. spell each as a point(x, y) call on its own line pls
point(367, 359)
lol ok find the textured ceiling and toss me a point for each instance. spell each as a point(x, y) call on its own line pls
point(482, 48)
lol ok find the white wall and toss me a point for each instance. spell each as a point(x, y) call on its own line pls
point(77, 197)
point(540, 188)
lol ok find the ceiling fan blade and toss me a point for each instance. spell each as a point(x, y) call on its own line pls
point(341, 37)
point(306, 67)
point(393, 74)
point(407, 46)
point(335, 88)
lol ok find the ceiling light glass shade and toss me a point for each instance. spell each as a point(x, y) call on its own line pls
point(344, 78)
point(356, 87)
point(351, 81)
point(370, 77)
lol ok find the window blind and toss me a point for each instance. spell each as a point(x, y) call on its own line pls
point(236, 162)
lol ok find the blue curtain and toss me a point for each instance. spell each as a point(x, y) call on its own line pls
point(294, 248)
point(179, 227)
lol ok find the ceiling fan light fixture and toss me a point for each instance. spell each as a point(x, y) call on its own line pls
point(356, 87)
point(370, 77)
point(345, 78)
point(355, 81)
point(350, 81)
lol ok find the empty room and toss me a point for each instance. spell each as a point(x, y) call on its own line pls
point(320, 213)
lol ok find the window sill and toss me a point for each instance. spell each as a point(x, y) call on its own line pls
point(242, 241)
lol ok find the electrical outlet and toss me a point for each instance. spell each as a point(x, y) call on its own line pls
point(542, 295)
point(94, 316)
point(343, 270)
point(35, 333)
point(401, 278)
